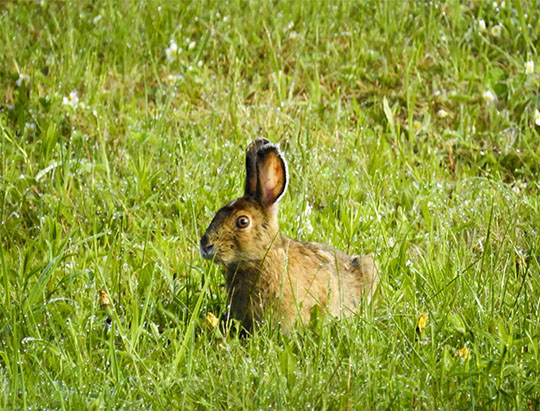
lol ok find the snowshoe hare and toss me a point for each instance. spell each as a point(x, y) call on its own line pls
point(267, 273)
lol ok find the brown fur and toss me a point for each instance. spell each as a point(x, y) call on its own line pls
point(267, 274)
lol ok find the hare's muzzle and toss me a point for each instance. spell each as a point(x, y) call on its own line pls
point(207, 250)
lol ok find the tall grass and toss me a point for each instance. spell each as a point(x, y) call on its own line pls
point(410, 132)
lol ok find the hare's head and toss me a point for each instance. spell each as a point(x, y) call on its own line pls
point(246, 228)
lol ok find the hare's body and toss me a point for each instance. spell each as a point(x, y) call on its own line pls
point(329, 279)
point(268, 275)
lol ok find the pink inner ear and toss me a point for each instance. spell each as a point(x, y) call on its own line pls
point(271, 179)
point(270, 186)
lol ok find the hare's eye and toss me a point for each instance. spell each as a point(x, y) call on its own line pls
point(242, 221)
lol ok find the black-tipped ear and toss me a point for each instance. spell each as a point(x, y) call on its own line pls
point(272, 175)
point(251, 165)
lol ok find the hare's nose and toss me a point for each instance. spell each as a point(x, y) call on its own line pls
point(207, 249)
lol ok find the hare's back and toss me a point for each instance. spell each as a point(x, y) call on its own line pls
point(320, 263)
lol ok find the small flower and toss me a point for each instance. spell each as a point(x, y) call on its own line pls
point(104, 299)
point(29, 128)
point(518, 186)
point(529, 67)
point(464, 353)
point(442, 113)
point(211, 322)
point(72, 100)
point(421, 323)
point(23, 78)
point(482, 25)
point(496, 30)
point(192, 45)
point(172, 51)
point(537, 117)
point(416, 125)
point(173, 79)
point(489, 97)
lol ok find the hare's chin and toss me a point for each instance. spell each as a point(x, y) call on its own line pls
point(214, 257)
point(208, 254)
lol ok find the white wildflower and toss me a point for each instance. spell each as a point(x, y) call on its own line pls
point(173, 79)
point(192, 45)
point(72, 100)
point(489, 96)
point(23, 78)
point(496, 31)
point(529, 67)
point(537, 117)
point(442, 113)
point(29, 128)
point(172, 51)
point(482, 25)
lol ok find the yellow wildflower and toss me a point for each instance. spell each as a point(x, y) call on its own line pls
point(211, 322)
point(104, 299)
point(464, 353)
point(421, 323)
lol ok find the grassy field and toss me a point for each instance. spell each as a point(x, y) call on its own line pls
point(411, 131)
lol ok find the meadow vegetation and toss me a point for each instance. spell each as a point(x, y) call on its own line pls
point(411, 130)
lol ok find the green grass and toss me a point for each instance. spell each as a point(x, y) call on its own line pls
point(115, 193)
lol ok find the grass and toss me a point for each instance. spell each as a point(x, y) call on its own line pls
point(393, 148)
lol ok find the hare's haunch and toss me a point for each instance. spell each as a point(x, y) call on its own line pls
point(267, 273)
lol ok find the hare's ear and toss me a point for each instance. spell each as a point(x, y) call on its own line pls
point(272, 175)
point(251, 165)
